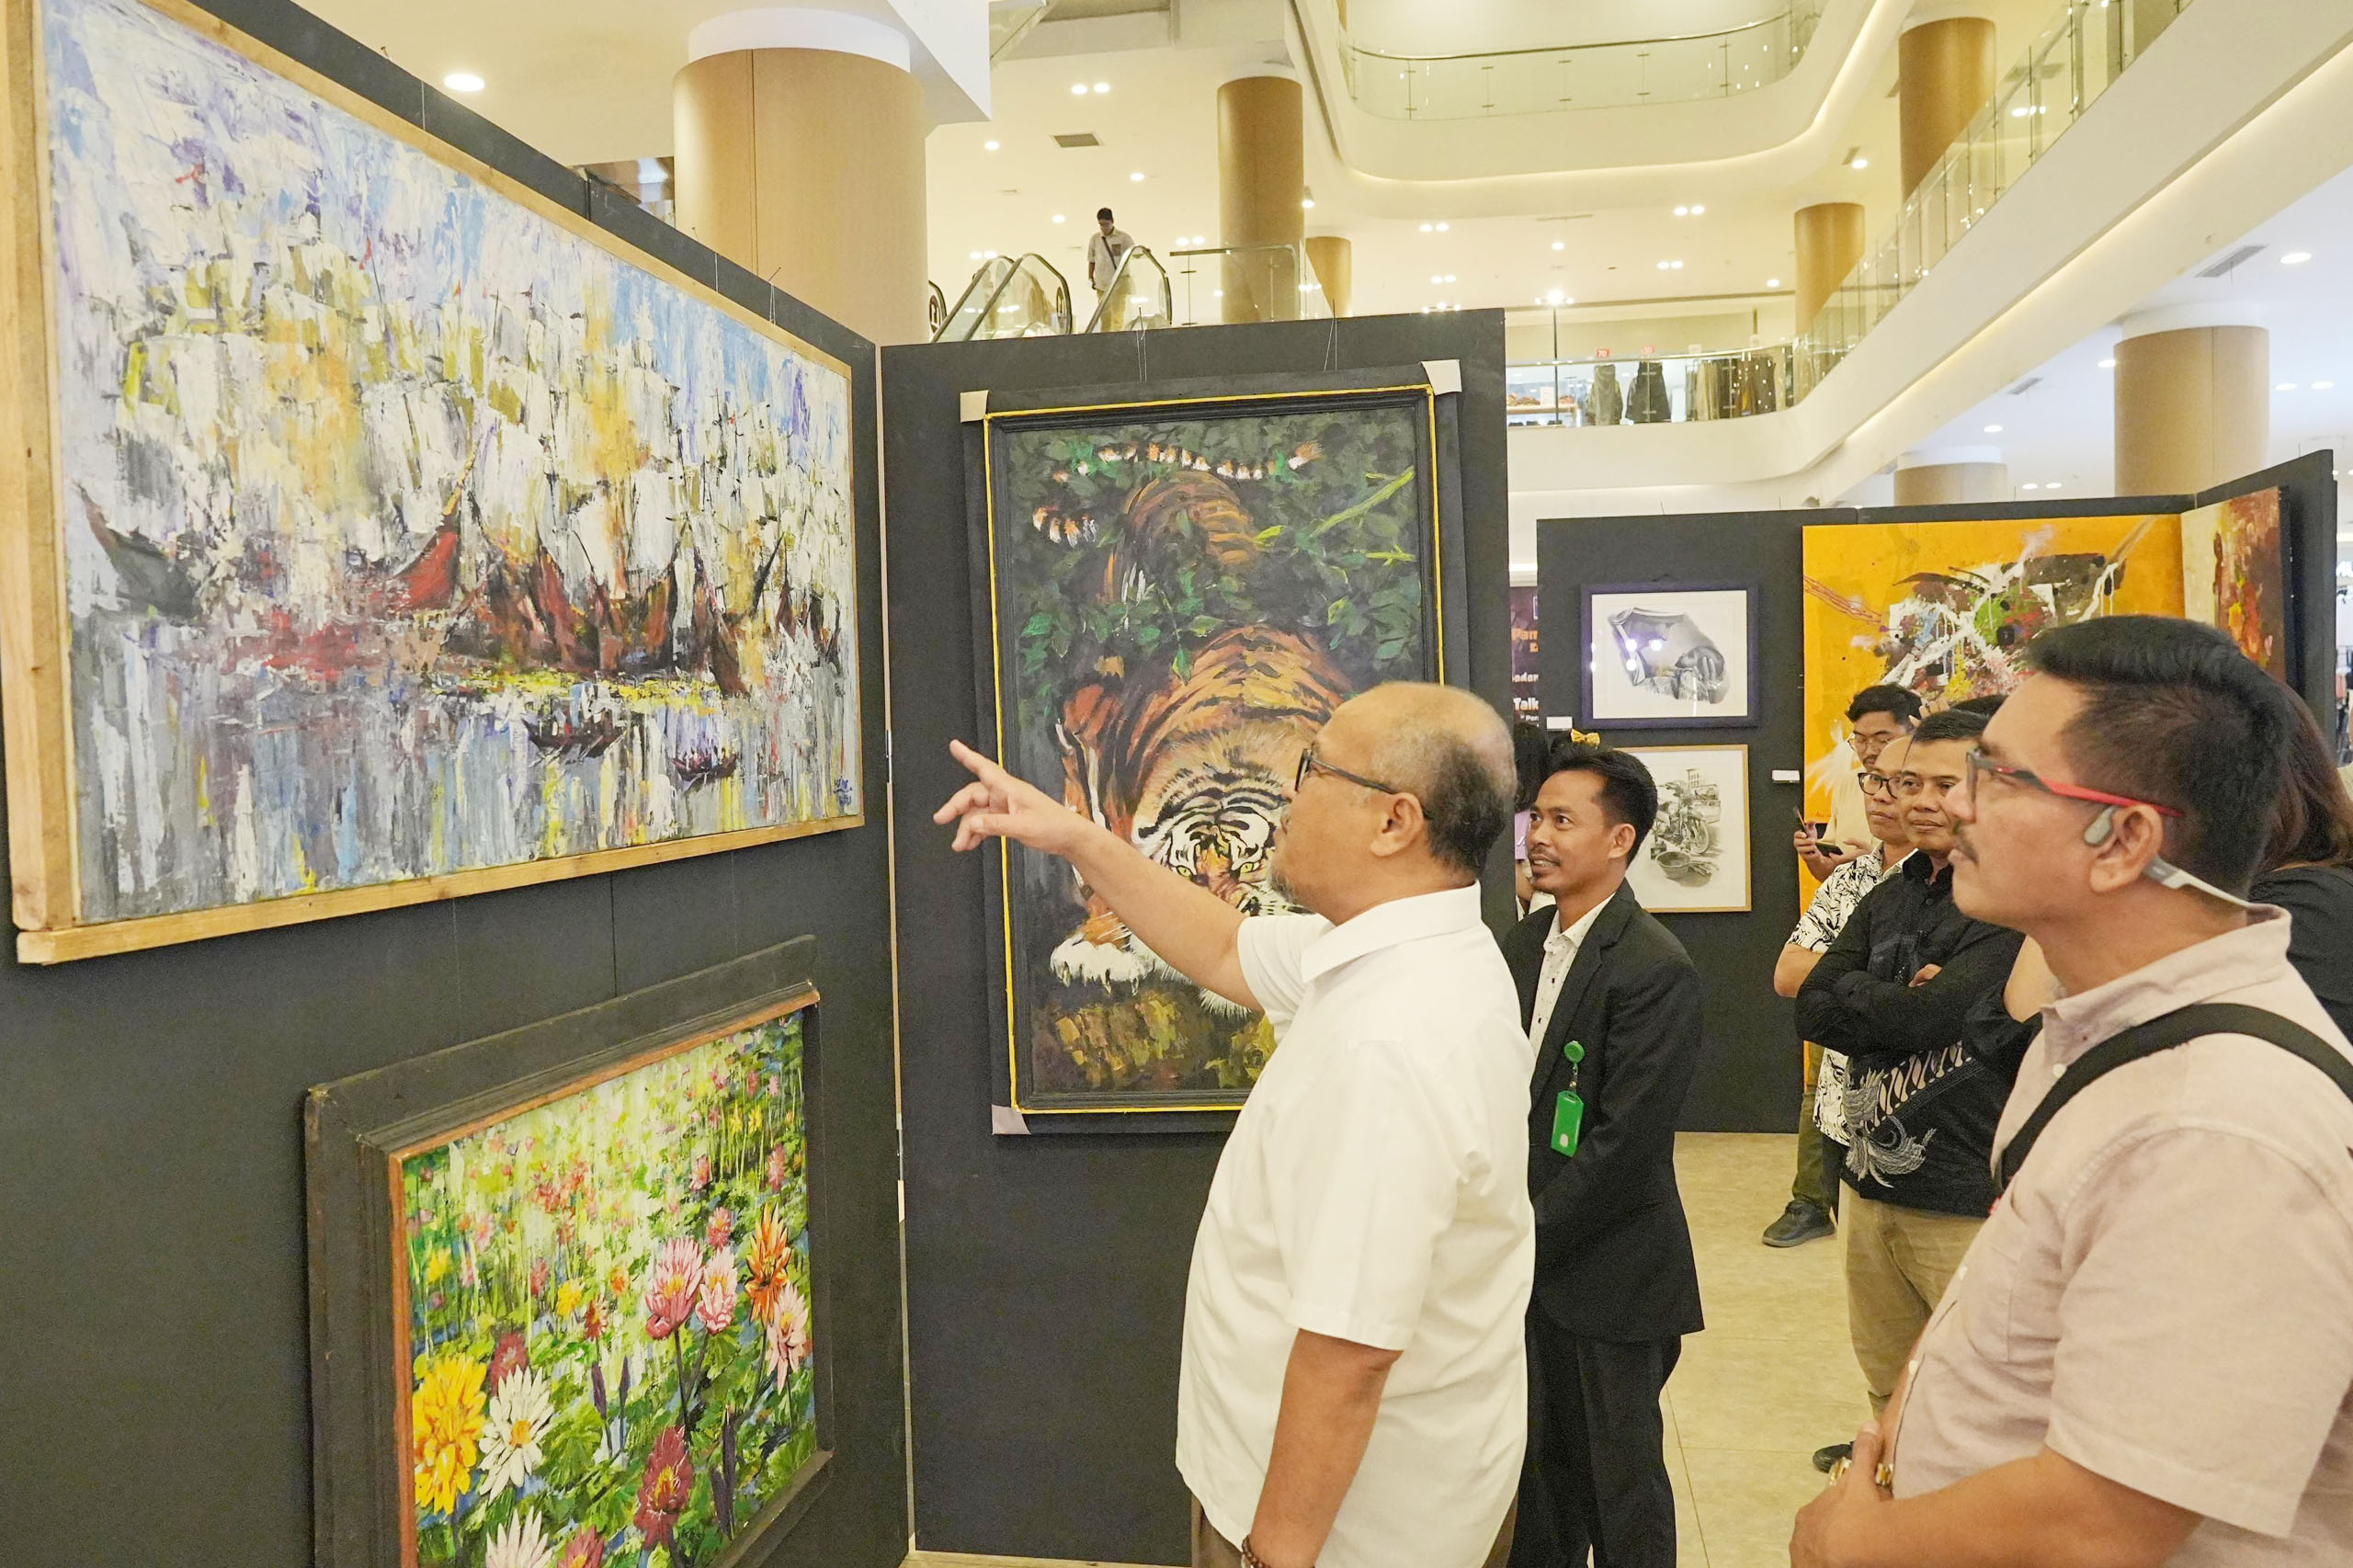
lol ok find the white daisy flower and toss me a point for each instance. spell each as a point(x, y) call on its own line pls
point(520, 1411)
point(522, 1541)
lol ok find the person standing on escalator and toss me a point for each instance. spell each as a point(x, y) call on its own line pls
point(1109, 248)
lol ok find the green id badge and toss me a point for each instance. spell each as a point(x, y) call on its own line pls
point(1568, 1116)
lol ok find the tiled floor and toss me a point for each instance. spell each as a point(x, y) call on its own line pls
point(1770, 1380)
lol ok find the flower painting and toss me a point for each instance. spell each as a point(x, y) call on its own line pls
point(608, 1332)
point(409, 528)
point(1181, 597)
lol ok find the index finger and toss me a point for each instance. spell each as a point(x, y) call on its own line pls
point(983, 769)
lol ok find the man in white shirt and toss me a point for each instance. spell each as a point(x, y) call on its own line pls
point(1353, 1388)
point(1106, 249)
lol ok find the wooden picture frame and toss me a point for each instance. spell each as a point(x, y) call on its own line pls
point(1020, 954)
point(57, 916)
point(1702, 822)
point(1610, 704)
point(359, 1135)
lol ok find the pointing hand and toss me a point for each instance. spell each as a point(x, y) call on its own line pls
point(999, 805)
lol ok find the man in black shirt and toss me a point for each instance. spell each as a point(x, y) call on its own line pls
point(1896, 993)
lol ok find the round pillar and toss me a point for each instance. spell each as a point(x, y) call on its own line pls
point(1945, 73)
point(1334, 260)
point(1261, 179)
point(1944, 476)
point(766, 176)
point(2193, 399)
point(1829, 243)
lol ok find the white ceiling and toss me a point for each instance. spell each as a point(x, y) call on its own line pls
point(2062, 428)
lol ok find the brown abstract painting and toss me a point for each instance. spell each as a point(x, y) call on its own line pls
point(2234, 574)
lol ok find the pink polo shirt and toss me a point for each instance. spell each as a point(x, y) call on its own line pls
point(2165, 1296)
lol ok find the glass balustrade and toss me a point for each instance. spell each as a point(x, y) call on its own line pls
point(2070, 63)
point(1396, 86)
point(1246, 283)
point(1139, 298)
point(1010, 297)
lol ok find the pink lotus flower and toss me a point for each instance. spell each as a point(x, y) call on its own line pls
point(669, 1483)
point(509, 1354)
point(722, 1229)
point(701, 1178)
point(787, 1333)
point(715, 1302)
point(585, 1549)
point(540, 1276)
point(778, 1168)
point(671, 1285)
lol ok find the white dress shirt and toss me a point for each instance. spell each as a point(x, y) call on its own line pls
point(1374, 1189)
point(1560, 951)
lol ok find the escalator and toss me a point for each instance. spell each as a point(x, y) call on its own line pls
point(1009, 296)
point(1139, 298)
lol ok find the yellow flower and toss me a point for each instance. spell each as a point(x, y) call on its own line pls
point(444, 1422)
point(437, 1266)
point(567, 1298)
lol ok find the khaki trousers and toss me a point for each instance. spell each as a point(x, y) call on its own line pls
point(1212, 1550)
point(1898, 1263)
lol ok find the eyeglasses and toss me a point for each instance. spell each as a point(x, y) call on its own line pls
point(1875, 783)
point(2162, 871)
point(1309, 762)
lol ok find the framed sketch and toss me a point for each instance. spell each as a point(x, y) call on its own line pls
point(391, 533)
point(1695, 860)
point(1179, 585)
point(1662, 654)
point(563, 1299)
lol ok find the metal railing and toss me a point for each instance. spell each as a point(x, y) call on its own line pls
point(1010, 297)
point(1247, 283)
point(1395, 86)
point(1138, 298)
point(2072, 61)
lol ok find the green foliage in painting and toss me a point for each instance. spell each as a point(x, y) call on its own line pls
point(610, 1326)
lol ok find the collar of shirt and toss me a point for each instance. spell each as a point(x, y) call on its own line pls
point(1558, 940)
point(1389, 924)
point(2251, 955)
point(1920, 869)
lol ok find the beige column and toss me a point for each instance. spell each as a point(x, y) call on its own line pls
point(1829, 242)
point(1943, 476)
point(1261, 179)
point(2193, 404)
point(1334, 260)
point(1945, 73)
point(806, 167)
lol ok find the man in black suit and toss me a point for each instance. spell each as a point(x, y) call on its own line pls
point(1612, 1003)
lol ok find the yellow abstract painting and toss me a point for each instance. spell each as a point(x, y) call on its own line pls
point(1944, 608)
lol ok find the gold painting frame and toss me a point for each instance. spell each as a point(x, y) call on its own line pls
point(35, 631)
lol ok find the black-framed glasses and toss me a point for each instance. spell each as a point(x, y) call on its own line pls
point(1874, 782)
point(1310, 763)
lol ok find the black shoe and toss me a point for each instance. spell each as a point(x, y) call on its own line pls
point(1799, 1223)
point(1824, 1459)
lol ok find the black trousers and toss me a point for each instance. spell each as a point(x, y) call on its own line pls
point(1595, 1477)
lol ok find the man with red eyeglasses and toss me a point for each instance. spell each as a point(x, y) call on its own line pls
point(2147, 1357)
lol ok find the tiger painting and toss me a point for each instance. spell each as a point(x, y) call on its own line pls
point(1189, 602)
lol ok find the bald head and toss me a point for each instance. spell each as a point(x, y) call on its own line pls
point(1448, 749)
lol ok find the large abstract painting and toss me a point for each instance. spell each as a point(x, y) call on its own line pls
point(1945, 609)
point(409, 534)
point(601, 1308)
point(2234, 574)
point(1178, 597)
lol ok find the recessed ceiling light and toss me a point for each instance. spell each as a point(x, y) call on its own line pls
point(1557, 297)
point(971, 255)
point(1441, 228)
point(2296, 258)
point(2029, 486)
point(1697, 210)
point(988, 146)
point(1058, 218)
point(2285, 386)
point(1560, 244)
point(1682, 211)
point(1437, 277)
point(2323, 386)
point(1772, 283)
point(1993, 429)
point(1137, 177)
point(1307, 201)
point(988, 255)
point(2052, 486)
point(1425, 228)
point(1449, 278)
point(1858, 162)
point(1102, 87)
point(463, 82)
point(1217, 293)
point(1078, 89)
point(2108, 364)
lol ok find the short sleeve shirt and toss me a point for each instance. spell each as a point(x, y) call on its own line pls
point(2164, 1295)
point(1374, 1189)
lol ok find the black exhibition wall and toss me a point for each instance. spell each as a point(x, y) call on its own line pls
point(1046, 1275)
point(1750, 1077)
point(151, 1105)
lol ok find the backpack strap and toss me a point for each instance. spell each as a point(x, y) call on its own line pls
point(2163, 1033)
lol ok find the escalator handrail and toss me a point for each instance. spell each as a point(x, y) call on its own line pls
point(1061, 291)
point(980, 274)
point(1167, 298)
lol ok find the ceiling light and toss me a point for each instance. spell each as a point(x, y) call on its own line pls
point(1661, 266)
point(1217, 293)
point(1425, 228)
point(2028, 487)
point(463, 82)
point(1772, 283)
point(1307, 201)
point(1682, 211)
point(971, 255)
point(1698, 210)
point(2285, 386)
point(1993, 429)
point(1858, 162)
point(2296, 258)
point(2108, 364)
point(1078, 89)
point(1102, 87)
point(1058, 218)
point(988, 146)
point(1441, 228)
point(1557, 297)
point(1449, 278)
point(1437, 277)
point(1137, 177)
point(2323, 386)
point(2052, 486)
point(1560, 244)
point(988, 255)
